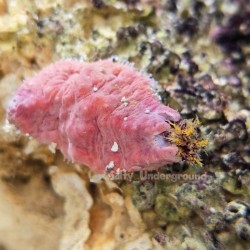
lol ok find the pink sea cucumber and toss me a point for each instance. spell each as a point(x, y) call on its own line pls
point(103, 114)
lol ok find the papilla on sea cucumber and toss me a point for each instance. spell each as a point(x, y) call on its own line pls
point(105, 115)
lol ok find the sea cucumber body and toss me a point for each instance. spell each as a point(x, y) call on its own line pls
point(99, 114)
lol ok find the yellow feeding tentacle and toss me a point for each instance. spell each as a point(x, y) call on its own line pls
point(201, 144)
point(177, 128)
point(188, 131)
point(175, 140)
point(186, 136)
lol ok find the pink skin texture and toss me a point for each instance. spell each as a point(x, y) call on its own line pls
point(104, 114)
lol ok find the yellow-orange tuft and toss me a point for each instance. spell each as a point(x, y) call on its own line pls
point(186, 136)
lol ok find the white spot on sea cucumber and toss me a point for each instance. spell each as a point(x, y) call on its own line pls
point(124, 100)
point(115, 147)
point(110, 166)
point(52, 147)
point(147, 111)
point(95, 89)
point(125, 118)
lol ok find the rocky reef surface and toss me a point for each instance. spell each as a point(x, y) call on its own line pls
point(199, 53)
